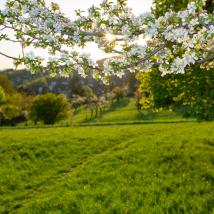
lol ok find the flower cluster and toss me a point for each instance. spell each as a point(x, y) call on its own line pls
point(174, 41)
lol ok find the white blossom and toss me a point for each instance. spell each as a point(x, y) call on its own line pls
point(31, 55)
point(189, 33)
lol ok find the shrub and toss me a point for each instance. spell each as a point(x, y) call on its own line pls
point(10, 112)
point(49, 108)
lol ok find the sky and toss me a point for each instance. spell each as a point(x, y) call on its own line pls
point(68, 7)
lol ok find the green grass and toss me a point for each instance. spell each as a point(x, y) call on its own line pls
point(125, 111)
point(152, 168)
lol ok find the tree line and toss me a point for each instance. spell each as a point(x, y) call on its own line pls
point(49, 108)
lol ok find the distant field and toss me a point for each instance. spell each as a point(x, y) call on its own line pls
point(151, 168)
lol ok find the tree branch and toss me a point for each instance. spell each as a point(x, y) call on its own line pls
point(205, 60)
point(117, 52)
point(146, 58)
point(10, 57)
point(3, 28)
point(209, 51)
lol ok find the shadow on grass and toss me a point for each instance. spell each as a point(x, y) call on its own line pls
point(113, 107)
point(2, 128)
point(147, 114)
point(150, 114)
point(140, 115)
point(119, 104)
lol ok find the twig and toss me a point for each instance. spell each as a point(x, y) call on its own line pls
point(10, 57)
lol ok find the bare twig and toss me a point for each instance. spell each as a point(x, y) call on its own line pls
point(146, 58)
point(209, 58)
point(10, 57)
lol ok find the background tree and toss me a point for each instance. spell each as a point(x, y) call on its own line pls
point(192, 89)
point(144, 96)
point(85, 91)
point(2, 96)
point(98, 104)
point(6, 84)
point(38, 86)
point(138, 97)
point(119, 93)
point(10, 112)
point(77, 101)
point(13, 105)
point(13, 109)
point(160, 7)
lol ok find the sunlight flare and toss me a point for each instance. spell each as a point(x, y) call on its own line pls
point(110, 37)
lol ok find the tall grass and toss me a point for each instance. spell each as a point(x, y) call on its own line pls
point(157, 168)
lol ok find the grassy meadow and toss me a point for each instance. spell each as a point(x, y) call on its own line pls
point(162, 167)
point(125, 112)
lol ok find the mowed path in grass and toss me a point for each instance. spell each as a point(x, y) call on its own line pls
point(153, 168)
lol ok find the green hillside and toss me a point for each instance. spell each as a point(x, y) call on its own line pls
point(125, 111)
